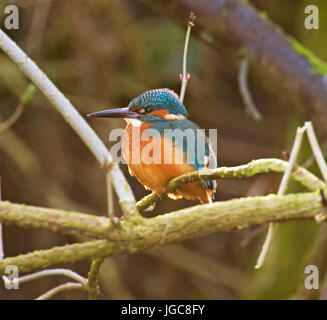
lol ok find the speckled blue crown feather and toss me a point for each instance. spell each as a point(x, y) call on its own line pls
point(160, 99)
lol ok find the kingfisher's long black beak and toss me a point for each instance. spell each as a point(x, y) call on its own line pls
point(115, 113)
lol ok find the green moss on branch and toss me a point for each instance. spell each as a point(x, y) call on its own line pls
point(318, 66)
point(307, 179)
point(92, 286)
point(196, 221)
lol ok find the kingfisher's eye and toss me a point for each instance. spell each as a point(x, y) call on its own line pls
point(142, 110)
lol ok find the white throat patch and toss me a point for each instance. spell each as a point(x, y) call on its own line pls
point(133, 122)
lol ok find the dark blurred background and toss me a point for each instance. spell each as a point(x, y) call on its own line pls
point(104, 53)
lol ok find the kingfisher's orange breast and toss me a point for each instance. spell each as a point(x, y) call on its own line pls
point(156, 160)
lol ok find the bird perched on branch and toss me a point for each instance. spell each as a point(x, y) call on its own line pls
point(160, 143)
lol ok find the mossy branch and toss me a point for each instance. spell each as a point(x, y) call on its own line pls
point(137, 234)
point(307, 179)
point(93, 279)
point(69, 222)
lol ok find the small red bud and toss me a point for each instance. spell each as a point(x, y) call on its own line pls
point(286, 155)
point(191, 19)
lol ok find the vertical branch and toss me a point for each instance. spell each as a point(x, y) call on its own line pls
point(316, 149)
point(93, 279)
point(185, 77)
point(281, 191)
point(291, 162)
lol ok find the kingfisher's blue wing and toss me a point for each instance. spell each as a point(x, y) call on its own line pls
point(208, 160)
point(196, 146)
point(200, 152)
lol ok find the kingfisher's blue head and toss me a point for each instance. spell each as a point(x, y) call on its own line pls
point(150, 106)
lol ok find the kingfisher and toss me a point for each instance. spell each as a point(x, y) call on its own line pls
point(160, 111)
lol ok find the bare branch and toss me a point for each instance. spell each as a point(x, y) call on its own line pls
point(316, 150)
point(60, 288)
point(282, 188)
point(295, 151)
point(185, 77)
point(52, 272)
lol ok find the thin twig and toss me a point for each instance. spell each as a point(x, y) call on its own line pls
point(52, 272)
point(185, 77)
point(27, 95)
point(245, 92)
point(60, 288)
point(12, 120)
point(282, 188)
point(316, 149)
point(294, 153)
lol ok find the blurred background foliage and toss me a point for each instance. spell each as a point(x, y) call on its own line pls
point(103, 53)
